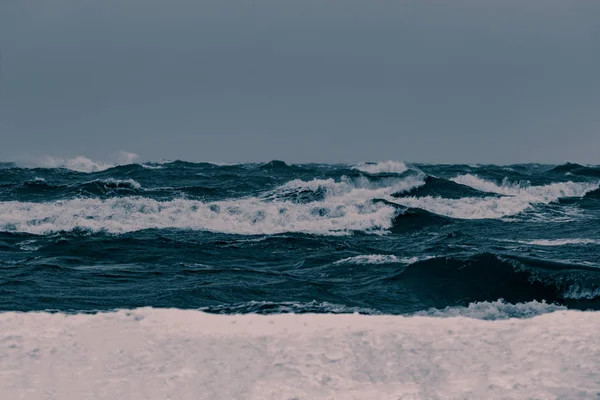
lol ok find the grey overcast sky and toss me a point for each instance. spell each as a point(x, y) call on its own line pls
point(496, 81)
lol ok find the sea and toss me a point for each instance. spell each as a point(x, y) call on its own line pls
point(183, 280)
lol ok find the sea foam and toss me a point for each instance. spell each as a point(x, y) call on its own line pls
point(346, 207)
point(167, 353)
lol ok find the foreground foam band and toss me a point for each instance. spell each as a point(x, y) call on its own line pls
point(176, 354)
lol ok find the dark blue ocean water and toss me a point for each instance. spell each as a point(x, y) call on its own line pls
point(269, 238)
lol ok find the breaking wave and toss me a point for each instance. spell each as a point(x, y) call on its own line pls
point(494, 310)
point(515, 199)
point(83, 164)
point(383, 167)
point(534, 194)
point(340, 208)
point(318, 206)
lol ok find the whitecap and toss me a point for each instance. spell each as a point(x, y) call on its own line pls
point(494, 310)
point(81, 163)
point(344, 209)
point(539, 194)
point(396, 167)
point(561, 242)
point(380, 259)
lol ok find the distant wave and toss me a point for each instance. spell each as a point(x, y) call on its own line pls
point(394, 167)
point(577, 169)
point(81, 163)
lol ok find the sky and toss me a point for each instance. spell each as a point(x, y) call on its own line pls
point(487, 81)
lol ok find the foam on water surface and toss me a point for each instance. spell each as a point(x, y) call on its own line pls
point(175, 354)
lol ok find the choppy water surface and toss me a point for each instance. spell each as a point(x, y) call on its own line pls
point(270, 238)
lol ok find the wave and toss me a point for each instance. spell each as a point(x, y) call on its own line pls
point(469, 207)
point(561, 242)
point(515, 199)
point(494, 310)
point(297, 356)
point(443, 281)
point(439, 187)
point(577, 292)
point(344, 208)
point(319, 206)
point(81, 163)
point(594, 194)
point(411, 219)
point(102, 186)
point(534, 194)
point(577, 169)
point(383, 167)
point(375, 259)
point(39, 189)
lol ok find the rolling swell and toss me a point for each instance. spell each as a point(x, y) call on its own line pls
point(454, 281)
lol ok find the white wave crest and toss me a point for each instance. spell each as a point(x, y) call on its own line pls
point(344, 209)
point(577, 292)
point(370, 259)
point(469, 207)
point(396, 167)
point(83, 164)
point(494, 310)
point(534, 194)
point(560, 242)
point(380, 259)
point(517, 198)
point(358, 188)
point(168, 353)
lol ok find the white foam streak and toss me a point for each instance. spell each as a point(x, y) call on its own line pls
point(380, 259)
point(396, 167)
point(370, 259)
point(494, 310)
point(165, 353)
point(561, 242)
point(345, 208)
